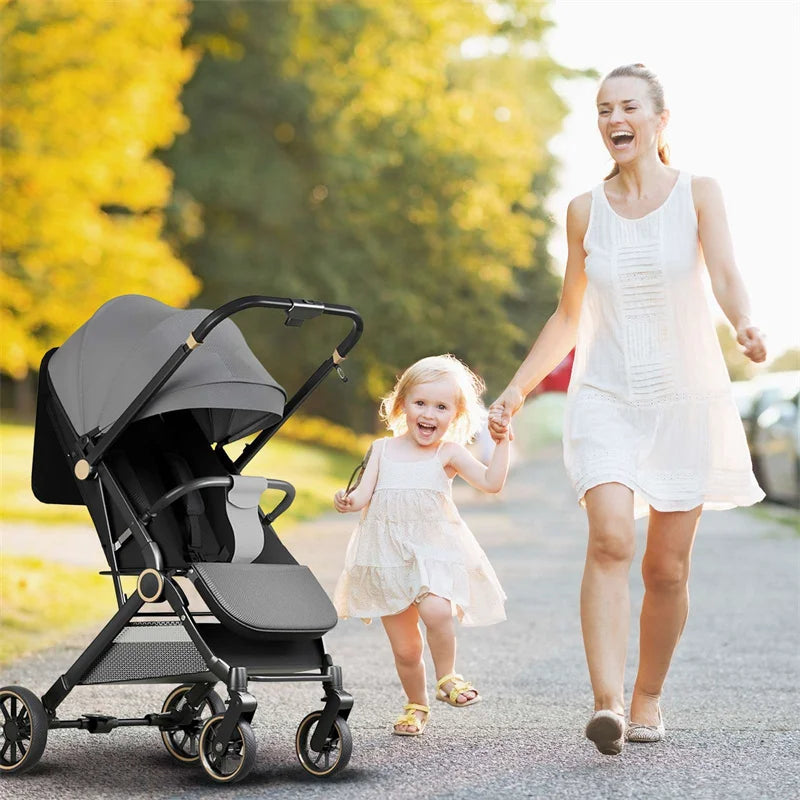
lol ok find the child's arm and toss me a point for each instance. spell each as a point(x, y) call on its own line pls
point(489, 478)
point(361, 495)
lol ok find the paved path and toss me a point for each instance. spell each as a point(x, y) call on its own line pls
point(731, 703)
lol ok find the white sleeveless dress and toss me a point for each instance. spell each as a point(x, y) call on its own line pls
point(410, 542)
point(649, 403)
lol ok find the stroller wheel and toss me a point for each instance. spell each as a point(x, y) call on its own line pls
point(183, 741)
point(235, 759)
point(23, 734)
point(335, 752)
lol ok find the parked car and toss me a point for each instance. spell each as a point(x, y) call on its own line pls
point(754, 396)
point(769, 408)
point(775, 450)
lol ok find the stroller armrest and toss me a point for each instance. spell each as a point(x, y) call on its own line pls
point(288, 499)
point(168, 498)
point(172, 495)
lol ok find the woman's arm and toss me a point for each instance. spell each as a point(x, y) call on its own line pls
point(487, 478)
point(558, 335)
point(726, 282)
point(362, 494)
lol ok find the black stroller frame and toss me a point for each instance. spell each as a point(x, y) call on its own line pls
point(232, 649)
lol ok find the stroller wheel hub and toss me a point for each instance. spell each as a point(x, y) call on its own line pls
point(150, 585)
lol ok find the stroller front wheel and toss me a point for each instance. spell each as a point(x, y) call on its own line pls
point(335, 752)
point(183, 741)
point(227, 762)
point(23, 731)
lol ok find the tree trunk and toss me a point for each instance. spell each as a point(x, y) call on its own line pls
point(24, 394)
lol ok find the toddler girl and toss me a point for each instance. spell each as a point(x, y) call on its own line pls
point(411, 556)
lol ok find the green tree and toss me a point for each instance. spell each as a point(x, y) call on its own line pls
point(350, 152)
point(89, 90)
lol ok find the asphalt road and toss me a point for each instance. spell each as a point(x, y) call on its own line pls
point(731, 703)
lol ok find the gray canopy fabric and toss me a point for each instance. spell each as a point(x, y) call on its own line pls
point(104, 365)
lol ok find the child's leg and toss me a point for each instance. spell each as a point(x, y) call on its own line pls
point(437, 615)
point(407, 646)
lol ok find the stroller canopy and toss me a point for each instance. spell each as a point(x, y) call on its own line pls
point(103, 366)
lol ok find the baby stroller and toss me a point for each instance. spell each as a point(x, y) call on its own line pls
point(132, 413)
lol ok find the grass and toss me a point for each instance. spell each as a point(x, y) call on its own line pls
point(783, 515)
point(41, 601)
point(17, 503)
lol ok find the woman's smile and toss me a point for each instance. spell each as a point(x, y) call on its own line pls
point(622, 139)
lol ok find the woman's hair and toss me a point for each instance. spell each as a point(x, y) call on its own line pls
point(470, 413)
point(656, 98)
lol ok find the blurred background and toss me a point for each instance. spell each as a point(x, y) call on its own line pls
point(413, 160)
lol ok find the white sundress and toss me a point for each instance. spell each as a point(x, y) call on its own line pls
point(410, 542)
point(649, 403)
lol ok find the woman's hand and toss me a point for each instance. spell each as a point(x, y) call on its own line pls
point(501, 411)
point(342, 502)
point(753, 341)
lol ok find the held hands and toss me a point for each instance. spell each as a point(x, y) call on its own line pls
point(506, 436)
point(342, 502)
point(753, 342)
point(501, 411)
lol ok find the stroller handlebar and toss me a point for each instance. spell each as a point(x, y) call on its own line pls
point(297, 312)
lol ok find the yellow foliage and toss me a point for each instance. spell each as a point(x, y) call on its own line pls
point(90, 89)
point(318, 431)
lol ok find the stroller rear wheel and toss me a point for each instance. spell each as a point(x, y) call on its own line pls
point(183, 741)
point(227, 762)
point(335, 752)
point(23, 734)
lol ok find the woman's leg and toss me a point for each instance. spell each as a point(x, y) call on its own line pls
point(407, 646)
point(665, 569)
point(605, 601)
point(437, 615)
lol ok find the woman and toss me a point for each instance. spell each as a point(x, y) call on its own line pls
point(650, 422)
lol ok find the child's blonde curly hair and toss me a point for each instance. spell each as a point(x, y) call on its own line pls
point(470, 412)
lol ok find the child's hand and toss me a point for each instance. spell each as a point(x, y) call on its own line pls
point(501, 411)
point(342, 502)
point(504, 435)
point(498, 431)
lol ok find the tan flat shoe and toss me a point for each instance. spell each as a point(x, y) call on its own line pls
point(646, 733)
point(606, 729)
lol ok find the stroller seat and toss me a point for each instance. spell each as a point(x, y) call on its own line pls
point(217, 534)
point(265, 600)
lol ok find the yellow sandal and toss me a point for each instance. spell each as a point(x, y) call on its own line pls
point(410, 718)
point(460, 686)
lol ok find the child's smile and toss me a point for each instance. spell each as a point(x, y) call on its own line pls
point(430, 408)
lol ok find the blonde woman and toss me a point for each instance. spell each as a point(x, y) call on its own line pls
point(650, 425)
point(411, 557)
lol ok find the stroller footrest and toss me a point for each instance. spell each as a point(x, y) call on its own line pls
point(265, 600)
